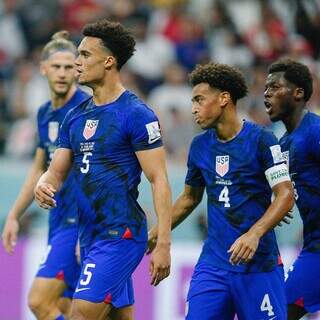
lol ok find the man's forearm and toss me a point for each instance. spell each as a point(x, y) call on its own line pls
point(274, 214)
point(163, 206)
point(52, 178)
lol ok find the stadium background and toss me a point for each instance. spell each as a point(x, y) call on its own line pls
point(172, 36)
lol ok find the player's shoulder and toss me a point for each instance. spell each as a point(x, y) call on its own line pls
point(80, 108)
point(202, 138)
point(312, 121)
point(135, 104)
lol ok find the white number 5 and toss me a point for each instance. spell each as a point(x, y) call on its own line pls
point(87, 273)
point(266, 305)
point(86, 162)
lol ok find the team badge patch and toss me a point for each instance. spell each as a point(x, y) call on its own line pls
point(90, 128)
point(53, 131)
point(222, 165)
point(154, 132)
point(276, 154)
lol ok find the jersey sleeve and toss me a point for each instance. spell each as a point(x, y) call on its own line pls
point(271, 159)
point(313, 145)
point(40, 142)
point(64, 137)
point(194, 176)
point(144, 130)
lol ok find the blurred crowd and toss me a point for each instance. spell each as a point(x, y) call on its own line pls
point(172, 37)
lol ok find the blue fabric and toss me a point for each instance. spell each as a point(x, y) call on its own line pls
point(233, 174)
point(107, 267)
point(302, 284)
point(65, 215)
point(220, 294)
point(302, 150)
point(60, 260)
point(104, 140)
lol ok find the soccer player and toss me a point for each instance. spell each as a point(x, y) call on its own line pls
point(59, 271)
point(110, 139)
point(239, 164)
point(288, 88)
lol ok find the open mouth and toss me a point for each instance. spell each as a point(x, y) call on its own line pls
point(268, 106)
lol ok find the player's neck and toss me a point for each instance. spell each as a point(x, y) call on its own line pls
point(59, 101)
point(228, 127)
point(108, 91)
point(294, 119)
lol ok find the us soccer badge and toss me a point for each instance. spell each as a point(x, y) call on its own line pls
point(222, 165)
point(90, 128)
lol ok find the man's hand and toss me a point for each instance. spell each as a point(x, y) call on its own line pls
point(244, 248)
point(44, 193)
point(160, 264)
point(10, 234)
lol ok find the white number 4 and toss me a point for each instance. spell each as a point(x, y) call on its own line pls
point(87, 273)
point(85, 161)
point(266, 305)
point(224, 197)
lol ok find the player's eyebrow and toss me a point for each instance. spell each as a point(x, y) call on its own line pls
point(196, 97)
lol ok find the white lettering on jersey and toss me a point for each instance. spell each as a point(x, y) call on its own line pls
point(90, 128)
point(53, 130)
point(276, 154)
point(222, 165)
point(154, 132)
point(277, 174)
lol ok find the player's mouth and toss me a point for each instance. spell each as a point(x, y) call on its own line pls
point(268, 106)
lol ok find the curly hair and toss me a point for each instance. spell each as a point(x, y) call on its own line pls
point(59, 42)
point(222, 77)
point(295, 72)
point(115, 37)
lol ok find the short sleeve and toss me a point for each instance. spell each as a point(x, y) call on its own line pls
point(194, 176)
point(64, 136)
point(269, 150)
point(144, 129)
point(271, 159)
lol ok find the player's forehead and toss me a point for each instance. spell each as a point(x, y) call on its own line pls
point(89, 44)
point(276, 78)
point(202, 89)
point(61, 57)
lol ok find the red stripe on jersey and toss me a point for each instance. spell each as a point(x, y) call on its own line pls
point(300, 302)
point(60, 275)
point(127, 234)
point(108, 298)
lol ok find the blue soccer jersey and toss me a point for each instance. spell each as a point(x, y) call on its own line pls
point(237, 175)
point(301, 149)
point(65, 215)
point(104, 140)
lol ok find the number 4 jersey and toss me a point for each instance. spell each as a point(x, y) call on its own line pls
point(238, 176)
point(104, 140)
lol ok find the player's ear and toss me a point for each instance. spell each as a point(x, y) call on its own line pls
point(225, 98)
point(299, 93)
point(109, 62)
point(43, 69)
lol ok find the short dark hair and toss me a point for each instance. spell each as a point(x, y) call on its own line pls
point(295, 72)
point(114, 36)
point(222, 77)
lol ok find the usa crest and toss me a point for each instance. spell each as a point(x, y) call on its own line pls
point(90, 128)
point(222, 165)
point(53, 131)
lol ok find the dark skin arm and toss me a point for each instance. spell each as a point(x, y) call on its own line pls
point(244, 248)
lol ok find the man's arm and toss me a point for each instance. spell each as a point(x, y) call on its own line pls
point(244, 248)
point(23, 201)
point(184, 205)
point(153, 165)
point(53, 178)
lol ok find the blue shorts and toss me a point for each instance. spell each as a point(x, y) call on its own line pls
point(303, 282)
point(107, 269)
point(220, 294)
point(59, 260)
